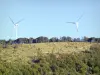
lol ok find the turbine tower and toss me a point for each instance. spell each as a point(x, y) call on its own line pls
point(15, 25)
point(76, 23)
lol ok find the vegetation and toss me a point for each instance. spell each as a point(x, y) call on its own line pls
point(43, 39)
point(32, 59)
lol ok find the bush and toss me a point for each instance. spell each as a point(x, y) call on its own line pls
point(96, 69)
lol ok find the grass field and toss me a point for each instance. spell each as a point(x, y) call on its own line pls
point(25, 51)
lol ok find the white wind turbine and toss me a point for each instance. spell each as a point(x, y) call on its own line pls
point(16, 25)
point(76, 23)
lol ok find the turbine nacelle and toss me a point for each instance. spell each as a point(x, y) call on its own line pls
point(77, 22)
point(15, 25)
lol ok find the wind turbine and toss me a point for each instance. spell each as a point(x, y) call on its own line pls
point(15, 25)
point(76, 23)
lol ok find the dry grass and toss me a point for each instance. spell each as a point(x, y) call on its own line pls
point(25, 51)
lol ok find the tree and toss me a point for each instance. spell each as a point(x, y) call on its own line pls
point(42, 39)
point(85, 39)
point(22, 40)
point(63, 39)
point(31, 40)
point(92, 39)
point(69, 39)
point(76, 40)
point(2, 41)
point(10, 41)
point(45, 39)
point(54, 39)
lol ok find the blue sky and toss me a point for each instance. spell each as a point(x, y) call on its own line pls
point(49, 17)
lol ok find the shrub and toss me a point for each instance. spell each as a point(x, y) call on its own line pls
point(96, 69)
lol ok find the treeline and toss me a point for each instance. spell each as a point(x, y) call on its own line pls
point(43, 39)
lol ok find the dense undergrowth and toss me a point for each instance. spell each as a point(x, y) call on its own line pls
point(83, 63)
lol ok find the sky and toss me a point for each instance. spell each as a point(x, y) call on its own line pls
point(48, 18)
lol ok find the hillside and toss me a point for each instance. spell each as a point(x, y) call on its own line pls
point(58, 58)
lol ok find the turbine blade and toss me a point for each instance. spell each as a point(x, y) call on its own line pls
point(80, 17)
point(12, 21)
point(19, 21)
point(70, 22)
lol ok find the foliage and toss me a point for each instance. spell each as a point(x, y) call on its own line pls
point(83, 63)
point(43, 39)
